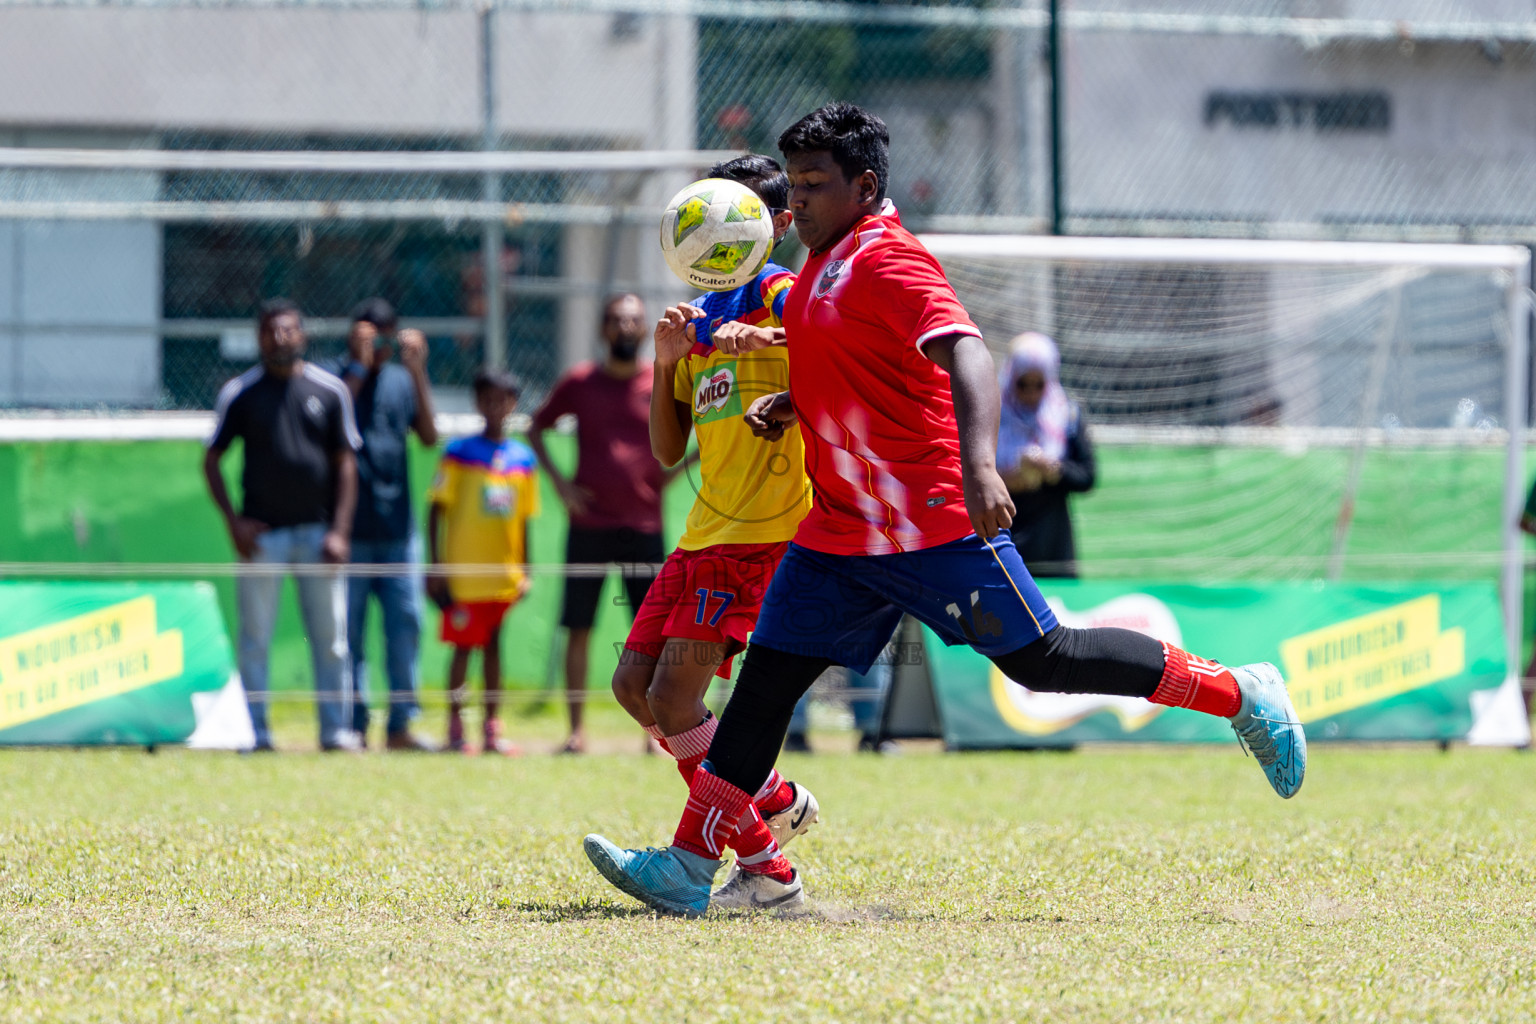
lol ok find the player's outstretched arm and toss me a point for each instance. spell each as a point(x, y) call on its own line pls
point(973, 385)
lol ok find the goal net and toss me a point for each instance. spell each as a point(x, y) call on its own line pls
point(1279, 410)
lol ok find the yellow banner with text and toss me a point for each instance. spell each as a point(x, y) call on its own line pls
point(75, 661)
point(1373, 657)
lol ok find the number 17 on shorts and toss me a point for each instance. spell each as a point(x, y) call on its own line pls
point(718, 600)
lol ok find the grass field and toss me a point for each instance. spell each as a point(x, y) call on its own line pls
point(1141, 884)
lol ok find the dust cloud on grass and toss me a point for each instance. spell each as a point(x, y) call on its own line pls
point(1148, 884)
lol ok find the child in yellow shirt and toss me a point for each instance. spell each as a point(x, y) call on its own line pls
point(477, 527)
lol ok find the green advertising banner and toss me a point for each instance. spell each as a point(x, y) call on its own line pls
point(93, 663)
point(1409, 661)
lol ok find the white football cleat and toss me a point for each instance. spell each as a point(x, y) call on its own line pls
point(797, 818)
point(746, 891)
point(794, 820)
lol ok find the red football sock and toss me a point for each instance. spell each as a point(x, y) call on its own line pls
point(1190, 681)
point(774, 796)
point(690, 747)
point(711, 816)
point(756, 850)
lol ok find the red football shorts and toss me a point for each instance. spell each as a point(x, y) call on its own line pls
point(712, 594)
point(473, 623)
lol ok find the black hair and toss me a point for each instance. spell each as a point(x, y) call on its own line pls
point(761, 174)
point(376, 311)
point(857, 140)
point(271, 309)
point(489, 377)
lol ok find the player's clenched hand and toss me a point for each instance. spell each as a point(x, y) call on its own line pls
point(768, 417)
point(736, 338)
point(674, 334)
point(987, 501)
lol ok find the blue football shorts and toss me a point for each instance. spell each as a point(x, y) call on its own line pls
point(845, 607)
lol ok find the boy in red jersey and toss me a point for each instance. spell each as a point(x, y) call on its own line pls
point(895, 395)
point(751, 498)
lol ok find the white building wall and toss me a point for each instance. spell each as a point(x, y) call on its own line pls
point(328, 71)
point(79, 302)
point(290, 69)
point(1460, 146)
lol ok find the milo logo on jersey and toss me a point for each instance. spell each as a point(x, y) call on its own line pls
point(714, 393)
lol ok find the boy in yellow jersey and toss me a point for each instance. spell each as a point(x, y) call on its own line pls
point(480, 503)
point(704, 603)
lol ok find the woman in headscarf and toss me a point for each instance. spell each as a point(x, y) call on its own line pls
point(1043, 454)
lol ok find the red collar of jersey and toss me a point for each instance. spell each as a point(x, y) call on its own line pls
point(887, 211)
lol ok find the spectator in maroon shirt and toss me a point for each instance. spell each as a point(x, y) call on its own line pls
point(614, 497)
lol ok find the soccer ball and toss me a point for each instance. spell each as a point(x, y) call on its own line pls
point(716, 234)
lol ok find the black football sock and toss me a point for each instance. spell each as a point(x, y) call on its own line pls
point(756, 718)
point(1113, 661)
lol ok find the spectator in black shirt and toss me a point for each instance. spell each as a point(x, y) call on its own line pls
point(299, 490)
point(1043, 455)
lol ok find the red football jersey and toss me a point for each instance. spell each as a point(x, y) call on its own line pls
point(881, 444)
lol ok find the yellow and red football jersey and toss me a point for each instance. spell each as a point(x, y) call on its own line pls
point(487, 490)
point(750, 491)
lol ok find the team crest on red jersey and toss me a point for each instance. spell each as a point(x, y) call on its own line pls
point(829, 276)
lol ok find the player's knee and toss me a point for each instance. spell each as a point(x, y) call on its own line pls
point(672, 694)
point(630, 682)
point(666, 701)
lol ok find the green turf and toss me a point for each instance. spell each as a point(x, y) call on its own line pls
point(1108, 885)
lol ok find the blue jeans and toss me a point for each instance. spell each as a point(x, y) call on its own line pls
point(872, 687)
point(399, 597)
point(322, 601)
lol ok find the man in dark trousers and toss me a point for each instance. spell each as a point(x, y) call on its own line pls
point(392, 399)
point(614, 496)
point(299, 490)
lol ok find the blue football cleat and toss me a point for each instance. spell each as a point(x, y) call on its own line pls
point(1267, 726)
point(670, 880)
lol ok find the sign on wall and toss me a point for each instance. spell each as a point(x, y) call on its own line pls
point(1381, 662)
point(91, 663)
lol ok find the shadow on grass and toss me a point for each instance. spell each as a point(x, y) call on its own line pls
point(579, 910)
point(603, 910)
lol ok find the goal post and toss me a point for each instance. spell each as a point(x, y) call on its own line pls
point(1359, 360)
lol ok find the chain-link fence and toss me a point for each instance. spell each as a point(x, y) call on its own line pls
point(134, 286)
